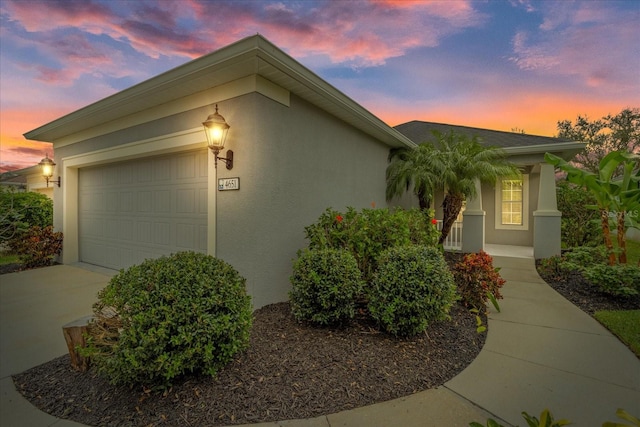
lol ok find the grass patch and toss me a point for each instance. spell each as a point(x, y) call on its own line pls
point(633, 251)
point(7, 257)
point(624, 324)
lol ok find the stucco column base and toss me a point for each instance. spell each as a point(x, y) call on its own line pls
point(473, 232)
point(546, 233)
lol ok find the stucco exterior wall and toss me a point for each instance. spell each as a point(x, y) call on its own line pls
point(509, 237)
point(293, 163)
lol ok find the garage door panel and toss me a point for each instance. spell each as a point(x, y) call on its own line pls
point(143, 209)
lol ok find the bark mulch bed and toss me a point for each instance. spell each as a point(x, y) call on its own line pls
point(585, 296)
point(289, 371)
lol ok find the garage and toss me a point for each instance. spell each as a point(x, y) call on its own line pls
point(133, 210)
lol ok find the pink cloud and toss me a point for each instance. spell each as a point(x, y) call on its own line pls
point(587, 40)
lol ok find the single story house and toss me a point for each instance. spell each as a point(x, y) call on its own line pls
point(516, 212)
point(138, 181)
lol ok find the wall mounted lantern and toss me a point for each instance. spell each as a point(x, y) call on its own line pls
point(216, 128)
point(47, 169)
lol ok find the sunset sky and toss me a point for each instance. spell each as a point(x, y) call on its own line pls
point(492, 64)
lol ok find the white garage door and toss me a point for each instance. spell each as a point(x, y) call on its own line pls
point(134, 210)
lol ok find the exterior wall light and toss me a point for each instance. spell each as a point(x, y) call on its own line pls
point(47, 170)
point(216, 128)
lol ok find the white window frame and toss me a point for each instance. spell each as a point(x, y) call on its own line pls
point(525, 206)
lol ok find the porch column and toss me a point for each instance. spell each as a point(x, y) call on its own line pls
point(546, 219)
point(473, 223)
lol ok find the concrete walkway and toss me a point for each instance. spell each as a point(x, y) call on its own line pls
point(541, 352)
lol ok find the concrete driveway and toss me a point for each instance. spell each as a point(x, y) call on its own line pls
point(34, 304)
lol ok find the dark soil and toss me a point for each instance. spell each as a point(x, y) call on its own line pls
point(585, 296)
point(10, 268)
point(289, 371)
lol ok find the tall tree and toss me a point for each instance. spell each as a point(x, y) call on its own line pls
point(452, 163)
point(611, 133)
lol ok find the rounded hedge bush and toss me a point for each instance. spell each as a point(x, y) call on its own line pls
point(185, 313)
point(325, 284)
point(412, 288)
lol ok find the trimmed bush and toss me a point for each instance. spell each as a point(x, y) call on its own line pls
point(412, 288)
point(185, 313)
point(476, 278)
point(325, 283)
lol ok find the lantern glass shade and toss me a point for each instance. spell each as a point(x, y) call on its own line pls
point(216, 129)
point(47, 166)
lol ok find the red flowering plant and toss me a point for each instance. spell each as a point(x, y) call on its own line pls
point(478, 280)
point(368, 232)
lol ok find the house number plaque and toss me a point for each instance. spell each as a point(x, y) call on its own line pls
point(226, 184)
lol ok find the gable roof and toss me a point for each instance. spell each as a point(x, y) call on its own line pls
point(249, 56)
point(513, 143)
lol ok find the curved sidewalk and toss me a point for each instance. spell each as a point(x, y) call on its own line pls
point(541, 352)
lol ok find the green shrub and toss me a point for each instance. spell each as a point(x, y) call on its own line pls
point(37, 246)
point(368, 233)
point(325, 283)
point(575, 259)
point(617, 280)
point(185, 313)
point(476, 278)
point(412, 287)
point(583, 257)
point(21, 210)
point(580, 224)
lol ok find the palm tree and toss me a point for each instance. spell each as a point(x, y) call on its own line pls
point(452, 164)
point(408, 168)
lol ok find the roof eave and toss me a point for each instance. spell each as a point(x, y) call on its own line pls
point(290, 74)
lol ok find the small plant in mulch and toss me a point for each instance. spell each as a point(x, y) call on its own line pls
point(477, 280)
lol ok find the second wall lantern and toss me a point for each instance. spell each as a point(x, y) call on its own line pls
point(216, 128)
point(47, 166)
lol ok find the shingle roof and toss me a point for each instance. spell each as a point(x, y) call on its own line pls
point(420, 132)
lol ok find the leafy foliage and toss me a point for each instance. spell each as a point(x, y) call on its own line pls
point(369, 232)
point(412, 287)
point(617, 280)
point(546, 420)
point(167, 317)
point(37, 246)
point(452, 163)
point(613, 194)
point(21, 210)
point(476, 278)
point(325, 283)
point(580, 220)
point(611, 133)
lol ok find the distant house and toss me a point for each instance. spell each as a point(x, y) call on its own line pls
point(520, 212)
point(138, 181)
point(27, 179)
